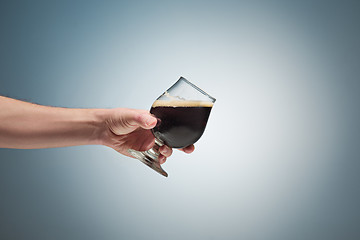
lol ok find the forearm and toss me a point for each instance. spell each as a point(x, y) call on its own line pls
point(26, 125)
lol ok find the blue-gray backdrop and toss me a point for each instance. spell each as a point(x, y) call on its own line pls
point(279, 158)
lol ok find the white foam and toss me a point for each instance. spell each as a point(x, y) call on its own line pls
point(179, 103)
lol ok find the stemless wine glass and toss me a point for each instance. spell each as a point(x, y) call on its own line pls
point(182, 112)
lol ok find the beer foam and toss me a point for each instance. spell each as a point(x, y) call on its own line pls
point(180, 103)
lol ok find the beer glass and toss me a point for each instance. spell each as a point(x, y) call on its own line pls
point(182, 112)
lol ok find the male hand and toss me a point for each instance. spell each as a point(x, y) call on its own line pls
point(130, 129)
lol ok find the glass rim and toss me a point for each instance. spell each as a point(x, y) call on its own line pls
point(199, 89)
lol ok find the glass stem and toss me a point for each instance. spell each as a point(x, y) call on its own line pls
point(150, 157)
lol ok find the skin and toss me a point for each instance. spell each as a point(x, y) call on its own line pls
point(28, 126)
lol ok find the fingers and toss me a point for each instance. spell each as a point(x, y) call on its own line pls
point(188, 149)
point(162, 159)
point(165, 152)
point(142, 119)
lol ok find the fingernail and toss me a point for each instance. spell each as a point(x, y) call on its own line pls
point(165, 150)
point(149, 120)
point(162, 159)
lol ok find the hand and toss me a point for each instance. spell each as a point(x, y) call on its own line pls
point(130, 129)
point(29, 126)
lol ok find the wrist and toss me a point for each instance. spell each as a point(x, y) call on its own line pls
point(102, 134)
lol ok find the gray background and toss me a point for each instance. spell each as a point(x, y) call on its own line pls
point(279, 158)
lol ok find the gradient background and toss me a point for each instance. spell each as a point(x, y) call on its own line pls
point(279, 158)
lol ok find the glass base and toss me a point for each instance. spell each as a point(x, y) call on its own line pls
point(150, 157)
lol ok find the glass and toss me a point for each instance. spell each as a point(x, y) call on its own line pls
point(182, 112)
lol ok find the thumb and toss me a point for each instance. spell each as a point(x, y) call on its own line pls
point(143, 120)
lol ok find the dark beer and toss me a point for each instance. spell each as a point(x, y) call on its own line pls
point(180, 123)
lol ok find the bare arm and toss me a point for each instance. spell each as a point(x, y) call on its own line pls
point(26, 125)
